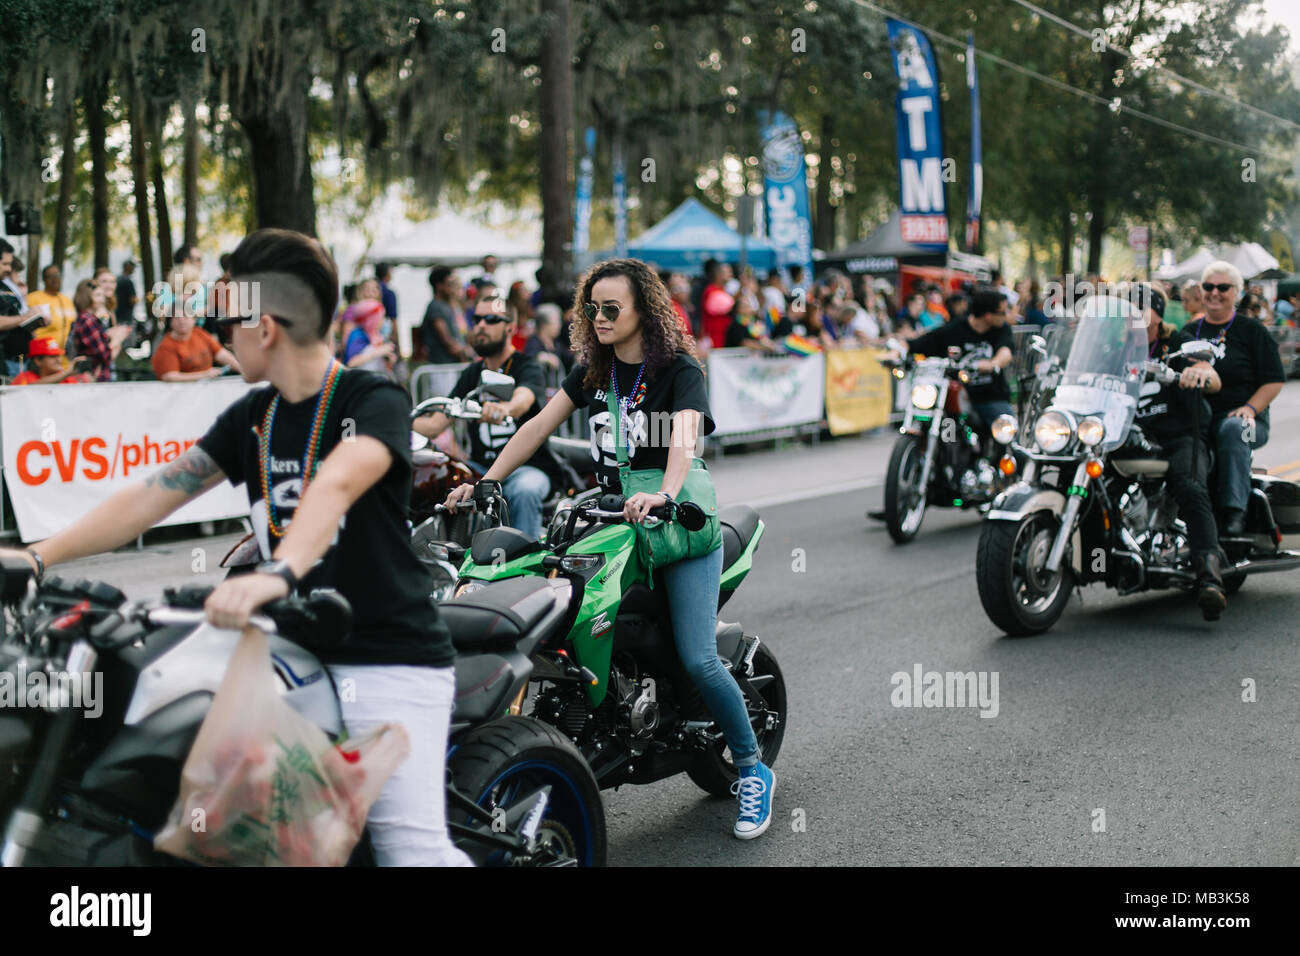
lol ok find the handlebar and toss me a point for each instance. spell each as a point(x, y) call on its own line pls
point(464, 409)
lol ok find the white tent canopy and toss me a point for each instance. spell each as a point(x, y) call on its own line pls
point(1250, 257)
point(454, 240)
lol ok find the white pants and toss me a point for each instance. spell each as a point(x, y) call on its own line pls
point(407, 824)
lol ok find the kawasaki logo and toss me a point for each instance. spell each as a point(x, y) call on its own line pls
point(599, 625)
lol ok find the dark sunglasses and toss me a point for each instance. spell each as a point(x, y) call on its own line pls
point(230, 320)
point(490, 319)
point(610, 309)
point(1221, 286)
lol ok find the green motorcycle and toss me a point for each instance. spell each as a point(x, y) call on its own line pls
point(608, 675)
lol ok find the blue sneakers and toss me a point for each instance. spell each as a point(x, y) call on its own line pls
point(754, 788)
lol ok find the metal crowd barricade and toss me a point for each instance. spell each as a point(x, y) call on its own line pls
point(430, 380)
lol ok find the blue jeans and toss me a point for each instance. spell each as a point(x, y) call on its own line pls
point(1232, 463)
point(693, 605)
point(525, 490)
point(988, 411)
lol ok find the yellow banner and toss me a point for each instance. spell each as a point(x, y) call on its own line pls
point(859, 392)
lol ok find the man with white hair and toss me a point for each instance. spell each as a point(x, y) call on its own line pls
point(1251, 372)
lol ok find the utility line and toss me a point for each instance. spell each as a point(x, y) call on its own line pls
point(1140, 114)
point(1075, 28)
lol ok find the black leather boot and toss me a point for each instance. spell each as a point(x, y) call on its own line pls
point(1210, 596)
point(1234, 522)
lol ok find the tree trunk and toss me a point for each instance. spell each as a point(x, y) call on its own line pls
point(824, 223)
point(155, 120)
point(1032, 268)
point(1096, 230)
point(67, 179)
point(281, 167)
point(556, 101)
point(93, 96)
point(136, 120)
point(191, 171)
point(1067, 245)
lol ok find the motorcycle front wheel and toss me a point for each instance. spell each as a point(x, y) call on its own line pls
point(502, 766)
point(905, 499)
point(1018, 594)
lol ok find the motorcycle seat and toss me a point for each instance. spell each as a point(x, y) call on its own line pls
point(1132, 467)
point(498, 615)
point(739, 522)
point(574, 451)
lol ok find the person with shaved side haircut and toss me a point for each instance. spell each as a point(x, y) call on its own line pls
point(324, 452)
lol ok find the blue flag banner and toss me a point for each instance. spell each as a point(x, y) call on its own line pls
point(923, 217)
point(975, 197)
point(785, 193)
point(582, 205)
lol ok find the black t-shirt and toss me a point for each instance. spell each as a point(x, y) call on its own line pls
point(370, 560)
point(487, 439)
point(1166, 412)
point(438, 354)
point(738, 333)
point(16, 341)
point(647, 424)
point(1250, 360)
point(983, 386)
point(124, 294)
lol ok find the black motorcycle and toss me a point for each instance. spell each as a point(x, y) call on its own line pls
point(1087, 508)
point(76, 791)
point(940, 457)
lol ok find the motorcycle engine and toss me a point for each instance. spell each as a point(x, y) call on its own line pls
point(639, 708)
point(1136, 511)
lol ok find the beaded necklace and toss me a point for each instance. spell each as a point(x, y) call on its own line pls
point(1222, 335)
point(309, 463)
point(625, 403)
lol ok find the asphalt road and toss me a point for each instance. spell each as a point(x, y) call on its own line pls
point(1121, 736)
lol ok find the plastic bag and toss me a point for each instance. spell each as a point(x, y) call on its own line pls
point(263, 786)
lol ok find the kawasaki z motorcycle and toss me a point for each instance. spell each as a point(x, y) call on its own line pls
point(1091, 503)
point(91, 789)
point(940, 456)
point(607, 675)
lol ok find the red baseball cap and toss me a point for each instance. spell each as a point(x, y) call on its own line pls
point(44, 346)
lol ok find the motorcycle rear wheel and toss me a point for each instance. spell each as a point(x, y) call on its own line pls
point(712, 771)
point(1016, 593)
point(500, 763)
point(904, 501)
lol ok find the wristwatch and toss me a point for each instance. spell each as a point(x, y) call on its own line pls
point(280, 569)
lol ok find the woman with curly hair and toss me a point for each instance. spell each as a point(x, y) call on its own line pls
point(628, 339)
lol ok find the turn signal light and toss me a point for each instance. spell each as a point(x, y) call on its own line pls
point(1093, 468)
point(1007, 464)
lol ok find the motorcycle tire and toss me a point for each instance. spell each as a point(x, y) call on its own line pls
point(504, 760)
point(1000, 549)
point(712, 770)
point(907, 458)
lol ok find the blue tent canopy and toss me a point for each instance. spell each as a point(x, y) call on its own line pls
point(689, 235)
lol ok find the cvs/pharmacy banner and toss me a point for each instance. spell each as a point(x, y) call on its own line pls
point(69, 447)
point(748, 393)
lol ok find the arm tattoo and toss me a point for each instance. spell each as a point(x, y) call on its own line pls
point(186, 474)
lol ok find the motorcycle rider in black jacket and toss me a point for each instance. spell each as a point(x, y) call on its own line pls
point(1178, 418)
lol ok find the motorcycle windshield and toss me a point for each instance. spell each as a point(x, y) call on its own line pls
point(1101, 351)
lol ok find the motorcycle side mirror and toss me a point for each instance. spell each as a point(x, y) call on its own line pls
point(497, 386)
point(691, 516)
point(954, 353)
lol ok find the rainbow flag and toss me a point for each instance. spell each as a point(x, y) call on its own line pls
point(800, 345)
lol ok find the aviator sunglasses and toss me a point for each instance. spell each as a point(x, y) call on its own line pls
point(610, 309)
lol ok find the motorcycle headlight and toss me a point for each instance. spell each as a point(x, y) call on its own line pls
point(470, 586)
point(1053, 431)
point(1091, 431)
point(925, 396)
point(1004, 429)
